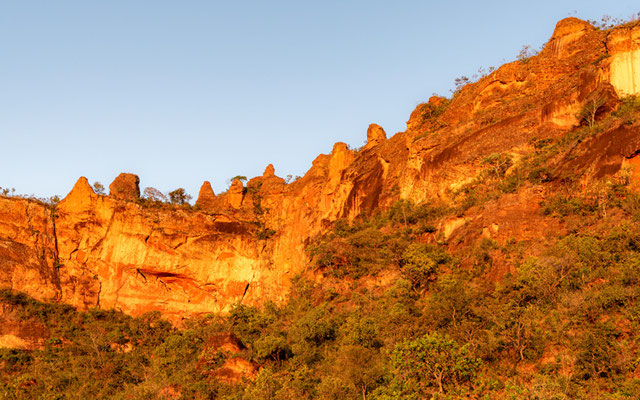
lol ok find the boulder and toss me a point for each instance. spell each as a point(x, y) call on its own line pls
point(269, 171)
point(437, 101)
point(125, 187)
point(375, 135)
point(235, 195)
point(570, 26)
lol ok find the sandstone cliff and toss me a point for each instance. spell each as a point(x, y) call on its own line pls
point(244, 245)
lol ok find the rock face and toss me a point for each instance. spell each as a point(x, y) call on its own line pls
point(206, 198)
point(28, 254)
point(624, 46)
point(125, 187)
point(245, 245)
point(375, 135)
point(235, 195)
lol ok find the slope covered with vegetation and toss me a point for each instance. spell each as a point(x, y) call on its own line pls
point(399, 312)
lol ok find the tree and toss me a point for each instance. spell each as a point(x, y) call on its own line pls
point(590, 109)
point(432, 360)
point(515, 327)
point(238, 177)
point(53, 200)
point(459, 83)
point(419, 262)
point(360, 366)
point(153, 194)
point(497, 164)
point(598, 352)
point(526, 53)
point(179, 196)
point(272, 346)
point(98, 187)
point(6, 191)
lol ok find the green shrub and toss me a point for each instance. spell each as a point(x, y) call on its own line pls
point(562, 206)
point(497, 164)
point(540, 175)
point(420, 261)
point(598, 353)
point(272, 347)
point(432, 361)
point(179, 197)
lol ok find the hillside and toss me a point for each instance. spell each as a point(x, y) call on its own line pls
point(488, 251)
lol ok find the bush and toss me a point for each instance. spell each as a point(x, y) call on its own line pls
point(420, 261)
point(497, 164)
point(591, 109)
point(98, 187)
point(597, 353)
point(627, 109)
point(563, 206)
point(429, 111)
point(272, 347)
point(540, 175)
point(433, 360)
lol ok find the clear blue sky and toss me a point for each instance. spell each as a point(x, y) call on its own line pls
point(180, 92)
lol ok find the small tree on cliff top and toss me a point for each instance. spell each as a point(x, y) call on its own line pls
point(98, 187)
point(153, 194)
point(179, 196)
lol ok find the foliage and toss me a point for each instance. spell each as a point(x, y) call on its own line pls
point(627, 109)
point(456, 337)
point(260, 213)
point(238, 177)
point(608, 22)
point(497, 164)
point(153, 194)
point(431, 111)
point(459, 83)
point(432, 360)
point(179, 196)
point(563, 206)
point(98, 187)
point(526, 53)
point(7, 191)
point(597, 351)
point(591, 108)
point(420, 261)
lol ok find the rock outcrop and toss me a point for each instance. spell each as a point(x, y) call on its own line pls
point(236, 192)
point(206, 197)
point(623, 44)
point(375, 135)
point(245, 245)
point(125, 187)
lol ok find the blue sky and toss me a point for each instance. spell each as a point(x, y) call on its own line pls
point(182, 92)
